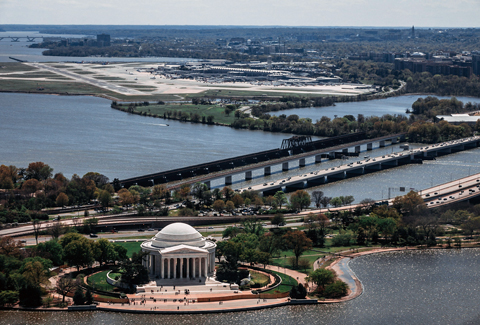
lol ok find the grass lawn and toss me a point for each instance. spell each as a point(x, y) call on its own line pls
point(107, 78)
point(39, 74)
point(75, 88)
point(14, 67)
point(99, 281)
point(287, 283)
point(258, 277)
point(131, 246)
point(216, 111)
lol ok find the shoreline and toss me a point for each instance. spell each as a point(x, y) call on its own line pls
point(233, 305)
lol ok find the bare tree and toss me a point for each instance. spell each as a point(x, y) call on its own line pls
point(65, 285)
point(317, 198)
point(36, 229)
point(56, 229)
point(325, 201)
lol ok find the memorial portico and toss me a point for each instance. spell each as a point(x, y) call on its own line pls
point(179, 251)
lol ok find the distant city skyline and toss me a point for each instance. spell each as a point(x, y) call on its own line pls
point(355, 13)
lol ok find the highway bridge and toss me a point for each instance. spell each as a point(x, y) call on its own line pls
point(460, 190)
point(17, 39)
point(364, 166)
point(330, 148)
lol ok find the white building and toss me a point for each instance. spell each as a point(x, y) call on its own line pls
point(179, 251)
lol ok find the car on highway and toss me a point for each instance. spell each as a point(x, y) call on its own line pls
point(92, 235)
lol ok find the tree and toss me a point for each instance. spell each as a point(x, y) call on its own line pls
point(230, 206)
point(278, 219)
point(79, 297)
point(325, 201)
point(56, 229)
point(35, 273)
point(36, 224)
point(51, 250)
point(322, 277)
point(62, 199)
point(79, 253)
point(298, 242)
point(300, 199)
point(237, 200)
point(10, 247)
point(336, 289)
point(88, 297)
point(120, 252)
point(133, 271)
point(317, 198)
point(264, 258)
point(298, 292)
point(64, 286)
point(126, 198)
point(230, 232)
point(280, 198)
point(218, 205)
point(8, 297)
point(104, 251)
point(336, 202)
point(105, 198)
point(38, 170)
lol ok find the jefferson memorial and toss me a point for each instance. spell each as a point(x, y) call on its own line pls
point(179, 251)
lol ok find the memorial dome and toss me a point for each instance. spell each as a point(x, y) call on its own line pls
point(178, 233)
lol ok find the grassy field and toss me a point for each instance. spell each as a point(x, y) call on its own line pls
point(39, 74)
point(246, 93)
point(15, 67)
point(108, 78)
point(99, 281)
point(216, 111)
point(258, 277)
point(131, 246)
point(80, 71)
point(287, 283)
point(75, 88)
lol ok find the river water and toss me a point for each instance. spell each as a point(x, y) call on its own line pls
point(407, 287)
point(378, 107)
point(79, 134)
point(21, 51)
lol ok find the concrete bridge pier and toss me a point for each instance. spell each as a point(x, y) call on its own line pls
point(345, 151)
point(207, 183)
point(228, 180)
point(285, 166)
point(267, 171)
point(331, 155)
point(318, 159)
point(248, 175)
point(301, 162)
point(370, 146)
point(394, 140)
point(382, 144)
point(357, 149)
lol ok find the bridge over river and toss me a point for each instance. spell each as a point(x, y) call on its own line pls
point(331, 148)
point(365, 166)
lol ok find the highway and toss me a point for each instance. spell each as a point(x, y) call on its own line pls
point(360, 167)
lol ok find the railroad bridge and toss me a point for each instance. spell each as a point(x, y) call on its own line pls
point(264, 159)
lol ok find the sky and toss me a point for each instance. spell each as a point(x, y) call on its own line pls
point(376, 13)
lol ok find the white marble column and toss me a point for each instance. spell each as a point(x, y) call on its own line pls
point(181, 268)
point(169, 262)
point(194, 274)
point(175, 268)
point(161, 267)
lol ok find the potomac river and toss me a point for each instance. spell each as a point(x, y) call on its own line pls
point(78, 134)
point(402, 287)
